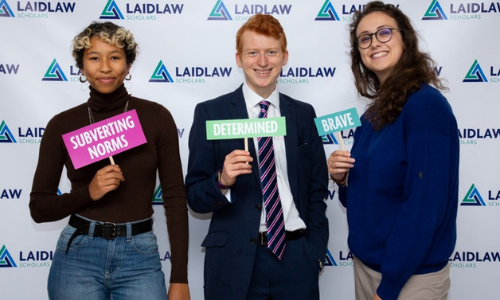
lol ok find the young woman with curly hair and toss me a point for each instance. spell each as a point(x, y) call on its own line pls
point(399, 183)
point(108, 249)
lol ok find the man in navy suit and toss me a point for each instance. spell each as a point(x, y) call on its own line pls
point(225, 180)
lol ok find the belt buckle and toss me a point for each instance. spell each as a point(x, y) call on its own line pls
point(108, 231)
point(263, 238)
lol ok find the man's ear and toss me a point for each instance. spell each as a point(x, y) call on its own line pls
point(238, 59)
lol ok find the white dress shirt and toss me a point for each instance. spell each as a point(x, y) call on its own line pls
point(290, 212)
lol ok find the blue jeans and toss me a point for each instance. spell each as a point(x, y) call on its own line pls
point(126, 268)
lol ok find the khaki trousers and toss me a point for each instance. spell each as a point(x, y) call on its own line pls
point(431, 286)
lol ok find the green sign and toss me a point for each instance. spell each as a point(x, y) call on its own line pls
point(245, 128)
point(339, 121)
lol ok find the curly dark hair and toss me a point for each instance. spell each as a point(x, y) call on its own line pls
point(108, 32)
point(413, 69)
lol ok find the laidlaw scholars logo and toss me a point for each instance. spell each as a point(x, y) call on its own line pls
point(27, 135)
point(473, 198)
point(302, 75)
point(471, 11)
point(54, 73)
point(6, 135)
point(243, 12)
point(329, 260)
point(188, 74)
point(345, 11)
point(5, 10)
point(220, 12)
point(158, 196)
point(111, 11)
point(36, 9)
point(475, 74)
point(329, 139)
point(6, 260)
point(342, 261)
point(327, 13)
point(140, 11)
point(435, 12)
point(161, 74)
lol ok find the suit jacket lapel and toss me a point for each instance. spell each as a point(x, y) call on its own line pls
point(238, 110)
point(291, 142)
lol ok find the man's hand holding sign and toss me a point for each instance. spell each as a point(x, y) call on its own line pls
point(340, 161)
point(237, 162)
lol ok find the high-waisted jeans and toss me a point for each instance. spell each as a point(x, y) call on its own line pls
point(125, 268)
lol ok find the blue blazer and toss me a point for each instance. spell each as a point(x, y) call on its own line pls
point(231, 239)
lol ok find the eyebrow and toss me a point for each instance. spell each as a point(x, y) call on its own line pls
point(111, 52)
point(277, 49)
point(378, 28)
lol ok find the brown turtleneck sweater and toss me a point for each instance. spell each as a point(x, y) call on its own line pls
point(132, 200)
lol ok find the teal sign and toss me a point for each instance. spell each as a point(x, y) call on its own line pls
point(338, 121)
point(245, 128)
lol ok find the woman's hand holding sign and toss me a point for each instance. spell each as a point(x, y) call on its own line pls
point(339, 164)
point(105, 180)
point(340, 161)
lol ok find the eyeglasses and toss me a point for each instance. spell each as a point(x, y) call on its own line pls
point(383, 35)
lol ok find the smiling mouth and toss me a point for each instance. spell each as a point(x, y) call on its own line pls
point(380, 54)
point(262, 72)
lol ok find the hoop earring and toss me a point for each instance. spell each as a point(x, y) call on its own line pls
point(83, 79)
point(129, 76)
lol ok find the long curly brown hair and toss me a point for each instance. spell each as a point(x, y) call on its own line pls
point(413, 69)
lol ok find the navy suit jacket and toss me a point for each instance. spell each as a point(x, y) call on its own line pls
point(231, 239)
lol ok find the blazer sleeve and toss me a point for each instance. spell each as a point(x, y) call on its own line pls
point(318, 228)
point(202, 194)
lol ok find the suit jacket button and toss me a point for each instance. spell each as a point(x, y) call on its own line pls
point(252, 240)
point(258, 207)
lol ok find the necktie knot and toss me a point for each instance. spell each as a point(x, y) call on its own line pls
point(264, 105)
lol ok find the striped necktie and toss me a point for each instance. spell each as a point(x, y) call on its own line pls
point(274, 212)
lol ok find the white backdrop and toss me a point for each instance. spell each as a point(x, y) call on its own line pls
point(191, 42)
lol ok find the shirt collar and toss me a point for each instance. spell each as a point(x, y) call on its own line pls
point(252, 98)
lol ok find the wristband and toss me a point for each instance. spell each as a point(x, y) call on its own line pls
point(341, 182)
point(219, 184)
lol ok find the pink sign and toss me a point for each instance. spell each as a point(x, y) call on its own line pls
point(104, 139)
